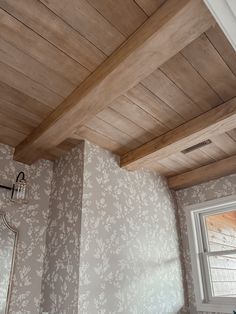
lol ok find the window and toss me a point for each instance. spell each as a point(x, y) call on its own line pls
point(212, 239)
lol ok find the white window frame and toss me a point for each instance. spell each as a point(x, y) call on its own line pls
point(201, 280)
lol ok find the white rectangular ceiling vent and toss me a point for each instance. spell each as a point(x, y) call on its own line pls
point(224, 12)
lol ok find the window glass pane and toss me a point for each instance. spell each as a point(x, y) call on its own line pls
point(221, 231)
point(223, 275)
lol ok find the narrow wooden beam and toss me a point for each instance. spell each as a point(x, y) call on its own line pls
point(215, 121)
point(206, 173)
point(165, 33)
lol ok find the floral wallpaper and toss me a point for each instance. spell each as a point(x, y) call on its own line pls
point(106, 243)
point(129, 256)
point(61, 268)
point(197, 194)
point(31, 222)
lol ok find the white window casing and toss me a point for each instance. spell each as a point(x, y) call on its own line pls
point(199, 254)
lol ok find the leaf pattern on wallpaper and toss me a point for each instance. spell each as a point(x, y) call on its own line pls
point(197, 194)
point(61, 268)
point(31, 222)
point(129, 259)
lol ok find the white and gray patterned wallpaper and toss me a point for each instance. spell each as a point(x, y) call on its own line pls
point(129, 259)
point(61, 268)
point(197, 194)
point(31, 222)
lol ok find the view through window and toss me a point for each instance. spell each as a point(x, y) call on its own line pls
point(220, 243)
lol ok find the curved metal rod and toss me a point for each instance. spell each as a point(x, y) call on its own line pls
point(20, 174)
point(12, 189)
point(17, 179)
point(13, 258)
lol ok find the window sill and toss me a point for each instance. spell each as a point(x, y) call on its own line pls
point(207, 307)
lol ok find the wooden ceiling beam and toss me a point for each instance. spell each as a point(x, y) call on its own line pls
point(165, 33)
point(213, 122)
point(206, 173)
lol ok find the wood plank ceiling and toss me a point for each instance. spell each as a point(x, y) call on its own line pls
point(48, 47)
point(200, 77)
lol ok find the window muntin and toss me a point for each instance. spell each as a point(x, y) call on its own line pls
point(204, 253)
point(218, 255)
point(223, 275)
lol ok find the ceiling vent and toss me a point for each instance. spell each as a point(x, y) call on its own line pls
point(197, 146)
point(224, 12)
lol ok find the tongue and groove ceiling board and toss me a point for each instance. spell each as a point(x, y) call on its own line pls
point(49, 47)
point(199, 78)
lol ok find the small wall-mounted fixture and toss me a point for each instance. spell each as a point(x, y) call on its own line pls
point(19, 190)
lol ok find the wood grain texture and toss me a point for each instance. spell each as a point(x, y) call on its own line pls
point(23, 38)
point(125, 125)
point(136, 59)
point(48, 25)
point(161, 169)
point(12, 112)
point(173, 96)
point(214, 151)
point(100, 139)
point(108, 130)
point(126, 15)
point(150, 6)
point(200, 157)
point(173, 164)
point(85, 19)
point(34, 70)
point(223, 46)
point(208, 62)
point(204, 174)
point(22, 101)
point(216, 121)
point(134, 113)
point(232, 134)
point(15, 123)
point(183, 74)
point(21, 82)
point(185, 160)
point(226, 143)
point(154, 106)
point(10, 136)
